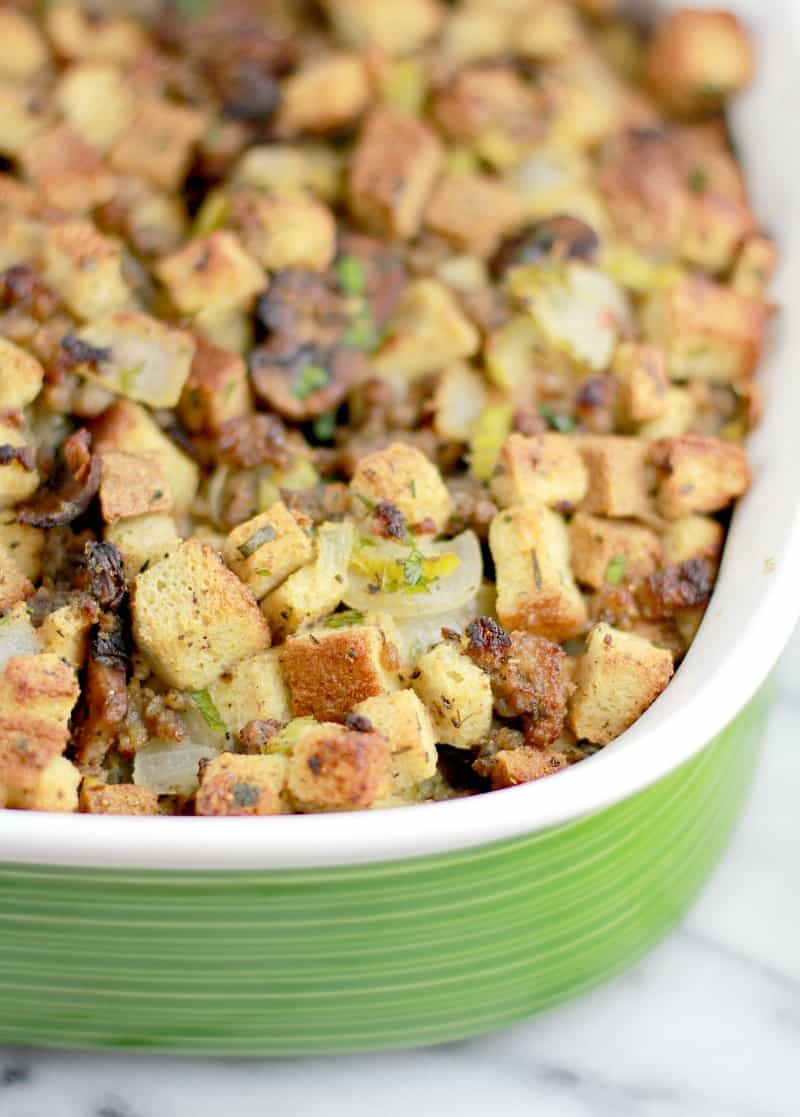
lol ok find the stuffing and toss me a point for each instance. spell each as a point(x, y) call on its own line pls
point(14, 585)
point(315, 589)
point(68, 172)
point(65, 631)
point(382, 23)
point(25, 544)
point(329, 671)
point(677, 417)
point(536, 591)
point(242, 785)
point(510, 767)
point(692, 537)
point(640, 370)
point(142, 541)
point(698, 473)
point(25, 50)
point(285, 229)
point(84, 268)
point(21, 120)
point(460, 397)
point(77, 33)
point(211, 272)
point(121, 798)
point(393, 170)
point(427, 332)
point(158, 144)
point(486, 101)
point(644, 189)
point(21, 376)
point(404, 477)
point(406, 724)
point(193, 618)
point(132, 485)
point(713, 230)
point(539, 469)
point(19, 477)
point(287, 167)
point(618, 483)
point(755, 266)
point(619, 675)
point(265, 550)
point(41, 685)
point(216, 389)
point(324, 95)
point(474, 211)
point(608, 551)
point(332, 768)
point(254, 689)
point(551, 31)
point(456, 694)
point(97, 102)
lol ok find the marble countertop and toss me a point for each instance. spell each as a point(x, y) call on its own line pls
point(707, 1026)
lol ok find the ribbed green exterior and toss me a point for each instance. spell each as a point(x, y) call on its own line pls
point(366, 957)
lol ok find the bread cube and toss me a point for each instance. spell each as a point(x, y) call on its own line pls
point(77, 33)
point(645, 190)
point(618, 485)
point(697, 60)
point(29, 744)
point(619, 676)
point(42, 685)
point(403, 476)
point(607, 550)
point(158, 144)
point(512, 767)
point(392, 171)
point(132, 485)
point(211, 272)
point(317, 588)
point(708, 331)
point(20, 238)
point(129, 427)
point(460, 397)
point(539, 469)
point(336, 769)
point(456, 694)
point(21, 376)
point(428, 332)
point(68, 172)
point(476, 32)
point(489, 100)
point(242, 785)
point(329, 671)
point(678, 416)
point(713, 230)
point(193, 618)
point(285, 167)
point(17, 481)
point(65, 631)
point(25, 544)
point(119, 798)
point(84, 268)
point(641, 372)
point(536, 591)
point(474, 211)
point(692, 537)
point(550, 32)
point(54, 788)
point(97, 101)
point(285, 229)
point(217, 388)
point(698, 473)
point(14, 585)
point(755, 266)
point(385, 24)
point(406, 724)
point(253, 689)
point(20, 120)
point(323, 95)
point(25, 50)
point(268, 548)
point(14, 195)
point(143, 540)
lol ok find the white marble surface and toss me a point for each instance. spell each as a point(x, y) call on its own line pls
point(708, 1026)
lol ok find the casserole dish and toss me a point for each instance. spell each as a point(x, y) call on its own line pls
point(387, 928)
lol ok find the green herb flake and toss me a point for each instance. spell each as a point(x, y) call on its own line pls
point(412, 569)
point(129, 376)
point(557, 420)
point(412, 488)
point(324, 426)
point(361, 333)
point(310, 379)
point(205, 704)
point(262, 572)
point(698, 181)
point(616, 570)
point(265, 534)
point(351, 275)
point(343, 620)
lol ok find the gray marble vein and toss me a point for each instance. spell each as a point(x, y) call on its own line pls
point(707, 1026)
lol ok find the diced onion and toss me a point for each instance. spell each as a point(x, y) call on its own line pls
point(171, 767)
point(417, 634)
point(17, 637)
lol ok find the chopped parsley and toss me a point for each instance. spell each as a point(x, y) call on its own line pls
point(557, 420)
point(343, 620)
point(351, 275)
point(265, 534)
point(361, 333)
point(310, 379)
point(263, 572)
point(616, 570)
point(698, 181)
point(205, 704)
point(324, 426)
point(129, 376)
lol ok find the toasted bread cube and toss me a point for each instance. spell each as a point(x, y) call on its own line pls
point(265, 550)
point(698, 473)
point(132, 485)
point(474, 211)
point(315, 589)
point(385, 24)
point(143, 540)
point(336, 769)
point(713, 230)
point(158, 145)
point(285, 230)
point(489, 100)
point(755, 267)
point(25, 544)
point(212, 272)
point(606, 550)
point(217, 388)
point(678, 416)
point(618, 485)
point(392, 172)
point(21, 377)
point(193, 618)
point(29, 743)
point(21, 119)
point(697, 60)
point(329, 671)
point(242, 785)
point(460, 397)
point(406, 724)
point(539, 469)
point(25, 50)
point(16, 196)
point(552, 31)
point(708, 331)
point(84, 268)
point(324, 94)
point(252, 690)
point(129, 427)
point(428, 332)
point(55, 788)
point(645, 190)
point(42, 685)
point(20, 238)
point(156, 224)
point(16, 481)
point(65, 631)
point(641, 372)
point(475, 32)
point(77, 34)
point(97, 101)
point(68, 172)
point(456, 694)
point(403, 476)
point(14, 586)
point(512, 767)
point(536, 591)
point(148, 360)
point(619, 676)
point(229, 328)
point(285, 167)
point(120, 798)
point(692, 537)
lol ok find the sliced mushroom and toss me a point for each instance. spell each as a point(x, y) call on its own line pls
point(557, 238)
point(71, 489)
